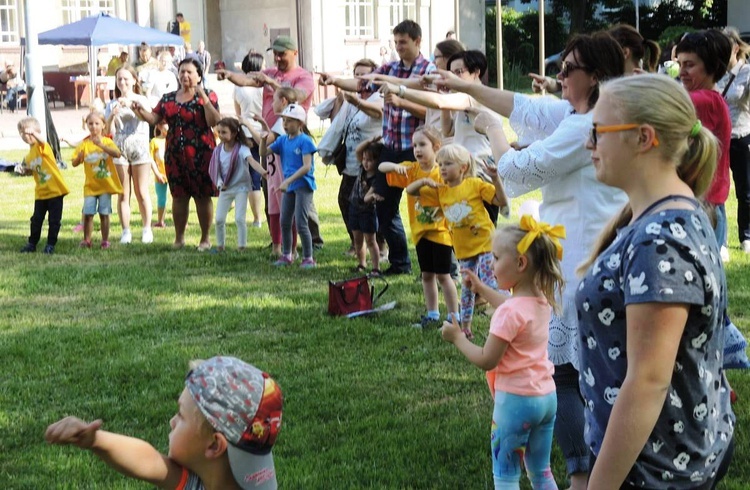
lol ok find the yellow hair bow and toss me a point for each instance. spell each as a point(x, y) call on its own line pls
point(534, 229)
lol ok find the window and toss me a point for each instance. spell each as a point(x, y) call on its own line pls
point(401, 10)
point(359, 19)
point(75, 10)
point(8, 22)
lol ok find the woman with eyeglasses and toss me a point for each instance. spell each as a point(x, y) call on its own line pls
point(703, 57)
point(651, 299)
point(553, 157)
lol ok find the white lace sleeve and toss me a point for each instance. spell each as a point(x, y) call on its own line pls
point(545, 160)
point(535, 118)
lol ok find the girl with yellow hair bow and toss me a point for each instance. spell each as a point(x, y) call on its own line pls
point(526, 261)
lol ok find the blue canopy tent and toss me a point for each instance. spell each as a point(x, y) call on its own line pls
point(102, 29)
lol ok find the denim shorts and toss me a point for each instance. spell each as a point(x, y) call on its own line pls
point(101, 204)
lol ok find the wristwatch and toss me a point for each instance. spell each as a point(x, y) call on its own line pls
point(401, 90)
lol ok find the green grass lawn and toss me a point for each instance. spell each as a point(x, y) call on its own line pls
point(369, 403)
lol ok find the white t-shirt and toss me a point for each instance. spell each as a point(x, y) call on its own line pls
point(359, 127)
point(250, 100)
point(240, 180)
point(161, 82)
point(465, 135)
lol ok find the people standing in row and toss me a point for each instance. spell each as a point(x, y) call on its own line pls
point(286, 73)
point(400, 119)
point(554, 158)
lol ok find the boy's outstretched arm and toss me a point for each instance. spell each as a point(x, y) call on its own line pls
point(130, 456)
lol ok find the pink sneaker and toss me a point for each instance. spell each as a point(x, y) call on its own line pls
point(283, 261)
point(308, 263)
point(78, 228)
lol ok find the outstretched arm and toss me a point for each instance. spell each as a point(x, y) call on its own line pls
point(428, 99)
point(130, 456)
point(348, 84)
point(500, 101)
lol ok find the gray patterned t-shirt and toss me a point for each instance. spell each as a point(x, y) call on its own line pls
point(669, 256)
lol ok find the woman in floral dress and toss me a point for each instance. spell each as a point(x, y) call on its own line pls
point(191, 111)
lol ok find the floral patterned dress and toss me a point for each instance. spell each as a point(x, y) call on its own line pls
point(190, 142)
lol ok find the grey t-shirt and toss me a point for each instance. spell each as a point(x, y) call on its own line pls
point(669, 256)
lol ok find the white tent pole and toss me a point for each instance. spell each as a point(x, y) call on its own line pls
point(34, 76)
point(499, 45)
point(541, 38)
point(92, 76)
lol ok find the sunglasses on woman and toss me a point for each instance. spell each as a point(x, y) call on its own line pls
point(596, 130)
point(568, 67)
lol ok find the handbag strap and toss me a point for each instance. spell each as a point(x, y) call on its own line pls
point(372, 288)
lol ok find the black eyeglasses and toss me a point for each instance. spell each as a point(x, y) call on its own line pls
point(568, 67)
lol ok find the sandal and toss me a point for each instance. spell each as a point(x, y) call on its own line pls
point(376, 273)
point(360, 268)
point(468, 333)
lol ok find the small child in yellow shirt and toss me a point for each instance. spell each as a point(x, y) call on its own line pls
point(156, 149)
point(462, 197)
point(102, 181)
point(50, 185)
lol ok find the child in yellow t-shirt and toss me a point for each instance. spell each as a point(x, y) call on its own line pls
point(428, 227)
point(50, 185)
point(462, 197)
point(102, 181)
point(156, 149)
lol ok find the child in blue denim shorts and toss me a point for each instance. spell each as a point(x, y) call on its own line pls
point(97, 153)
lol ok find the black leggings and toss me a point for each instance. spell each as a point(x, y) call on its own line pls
point(42, 207)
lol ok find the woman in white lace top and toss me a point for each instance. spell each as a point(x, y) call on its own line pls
point(551, 155)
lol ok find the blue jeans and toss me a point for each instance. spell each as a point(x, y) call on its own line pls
point(721, 224)
point(522, 427)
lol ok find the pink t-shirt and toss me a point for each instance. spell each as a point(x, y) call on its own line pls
point(524, 369)
point(713, 113)
point(298, 78)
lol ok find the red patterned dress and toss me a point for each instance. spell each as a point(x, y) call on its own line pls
point(190, 142)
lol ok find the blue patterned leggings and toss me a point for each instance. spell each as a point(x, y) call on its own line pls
point(522, 428)
point(481, 265)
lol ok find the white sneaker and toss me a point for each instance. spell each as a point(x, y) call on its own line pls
point(147, 235)
point(724, 254)
point(746, 246)
point(126, 237)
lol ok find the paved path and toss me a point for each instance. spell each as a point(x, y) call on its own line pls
point(68, 121)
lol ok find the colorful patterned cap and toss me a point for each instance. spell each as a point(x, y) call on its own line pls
point(245, 404)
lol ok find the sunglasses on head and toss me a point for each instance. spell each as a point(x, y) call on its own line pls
point(568, 67)
point(596, 130)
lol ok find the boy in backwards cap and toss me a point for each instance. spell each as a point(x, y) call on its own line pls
point(228, 419)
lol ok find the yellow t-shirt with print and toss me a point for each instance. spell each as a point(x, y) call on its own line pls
point(156, 149)
point(101, 175)
point(425, 216)
point(49, 181)
point(466, 216)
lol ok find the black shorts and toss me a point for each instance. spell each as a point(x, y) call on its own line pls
point(434, 257)
point(365, 221)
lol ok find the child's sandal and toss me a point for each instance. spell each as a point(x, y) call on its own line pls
point(359, 268)
point(376, 273)
point(468, 333)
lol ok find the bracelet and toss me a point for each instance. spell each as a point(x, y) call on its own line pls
point(401, 90)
